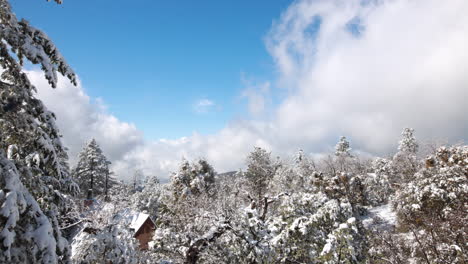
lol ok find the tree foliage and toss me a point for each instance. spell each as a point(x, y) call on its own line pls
point(92, 170)
point(35, 173)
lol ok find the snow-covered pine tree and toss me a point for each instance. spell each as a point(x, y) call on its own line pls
point(405, 161)
point(26, 232)
point(342, 148)
point(304, 167)
point(343, 153)
point(137, 179)
point(35, 169)
point(187, 221)
point(294, 176)
point(180, 181)
point(92, 171)
point(193, 179)
point(204, 179)
point(408, 142)
point(260, 171)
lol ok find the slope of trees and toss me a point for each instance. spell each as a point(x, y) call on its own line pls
point(325, 211)
point(336, 210)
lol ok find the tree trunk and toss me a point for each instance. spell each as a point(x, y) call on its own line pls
point(106, 187)
point(91, 185)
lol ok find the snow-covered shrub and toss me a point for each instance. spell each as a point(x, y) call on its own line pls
point(105, 235)
point(432, 207)
point(179, 227)
point(298, 175)
point(111, 244)
point(378, 188)
point(184, 219)
point(305, 226)
point(385, 246)
point(437, 191)
point(148, 199)
point(341, 246)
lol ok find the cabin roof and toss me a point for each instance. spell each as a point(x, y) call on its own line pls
point(138, 220)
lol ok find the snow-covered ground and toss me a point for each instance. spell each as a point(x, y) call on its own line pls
point(382, 217)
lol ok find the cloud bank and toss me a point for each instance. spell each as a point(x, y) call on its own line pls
point(364, 69)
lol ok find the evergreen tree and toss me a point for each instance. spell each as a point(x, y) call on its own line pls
point(35, 168)
point(408, 142)
point(92, 171)
point(342, 148)
point(343, 154)
point(405, 162)
point(193, 178)
point(137, 179)
point(260, 171)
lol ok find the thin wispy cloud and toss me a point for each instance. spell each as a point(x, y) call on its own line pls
point(204, 105)
point(257, 95)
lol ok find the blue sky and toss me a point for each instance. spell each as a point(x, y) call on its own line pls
point(333, 68)
point(151, 61)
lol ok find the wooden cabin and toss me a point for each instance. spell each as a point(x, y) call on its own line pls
point(143, 227)
point(88, 202)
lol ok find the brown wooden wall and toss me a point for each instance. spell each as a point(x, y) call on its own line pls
point(145, 234)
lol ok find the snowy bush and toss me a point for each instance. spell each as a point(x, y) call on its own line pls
point(377, 184)
point(432, 207)
point(111, 244)
point(148, 199)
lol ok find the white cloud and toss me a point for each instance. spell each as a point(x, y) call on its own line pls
point(406, 67)
point(257, 95)
point(203, 105)
point(80, 119)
